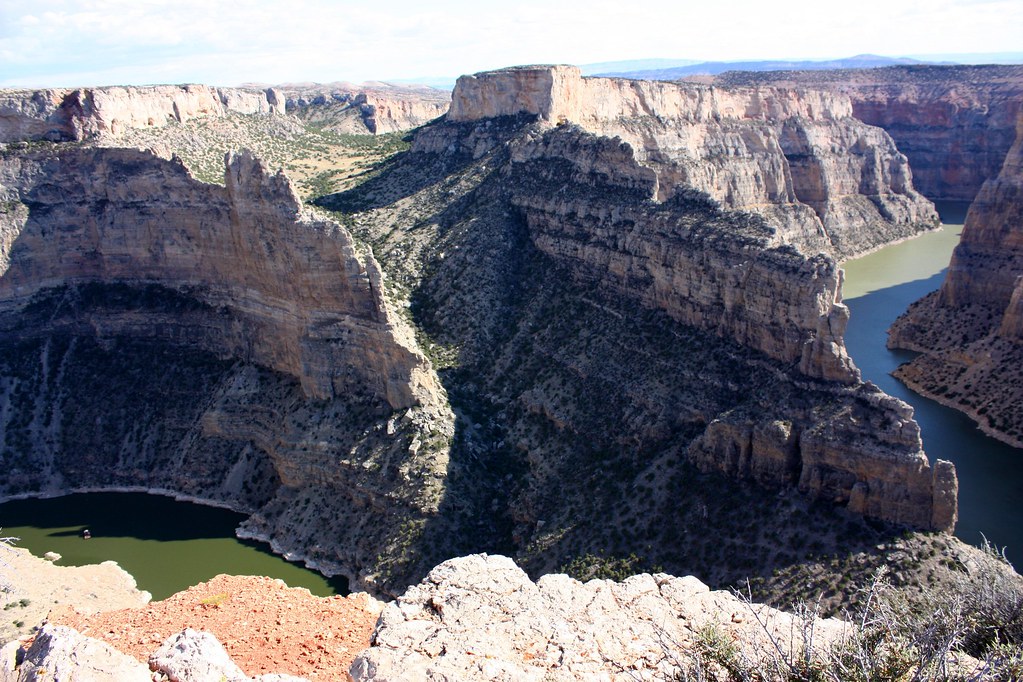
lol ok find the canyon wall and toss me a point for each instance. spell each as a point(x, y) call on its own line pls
point(304, 301)
point(604, 341)
point(798, 157)
point(376, 108)
point(85, 113)
point(971, 330)
point(217, 342)
point(954, 123)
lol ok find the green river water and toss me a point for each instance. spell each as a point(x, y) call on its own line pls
point(169, 546)
point(878, 288)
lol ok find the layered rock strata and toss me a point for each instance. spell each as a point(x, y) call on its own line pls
point(798, 157)
point(375, 109)
point(303, 301)
point(605, 348)
point(954, 123)
point(971, 330)
point(221, 343)
point(85, 113)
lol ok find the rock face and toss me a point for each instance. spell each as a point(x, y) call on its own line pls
point(82, 114)
point(796, 156)
point(954, 123)
point(217, 342)
point(971, 330)
point(481, 618)
point(303, 301)
point(62, 653)
point(373, 108)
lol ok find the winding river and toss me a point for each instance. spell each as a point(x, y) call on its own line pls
point(878, 287)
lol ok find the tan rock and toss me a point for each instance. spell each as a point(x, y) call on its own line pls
point(825, 180)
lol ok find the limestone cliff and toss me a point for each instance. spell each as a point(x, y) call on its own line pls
point(87, 113)
point(222, 343)
point(304, 302)
point(954, 123)
point(375, 108)
point(798, 157)
point(971, 330)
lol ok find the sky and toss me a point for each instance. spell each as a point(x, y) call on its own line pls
point(55, 43)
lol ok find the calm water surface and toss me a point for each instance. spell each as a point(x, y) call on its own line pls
point(166, 545)
point(878, 288)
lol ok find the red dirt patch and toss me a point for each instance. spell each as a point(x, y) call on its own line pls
point(266, 626)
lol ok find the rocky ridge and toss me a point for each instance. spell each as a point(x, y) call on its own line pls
point(955, 124)
point(826, 181)
point(85, 113)
point(970, 332)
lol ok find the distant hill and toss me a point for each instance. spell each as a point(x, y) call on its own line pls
point(628, 65)
point(863, 61)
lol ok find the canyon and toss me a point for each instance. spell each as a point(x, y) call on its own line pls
point(594, 324)
point(574, 319)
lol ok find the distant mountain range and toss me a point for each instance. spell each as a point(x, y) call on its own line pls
point(863, 61)
point(673, 69)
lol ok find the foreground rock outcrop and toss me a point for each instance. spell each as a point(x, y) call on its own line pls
point(970, 332)
point(954, 123)
point(796, 156)
point(81, 114)
point(481, 618)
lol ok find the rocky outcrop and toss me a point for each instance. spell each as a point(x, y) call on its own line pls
point(796, 156)
point(954, 123)
point(971, 330)
point(62, 653)
point(481, 618)
point(302, 300)
point(369, 108)
point(87, 113)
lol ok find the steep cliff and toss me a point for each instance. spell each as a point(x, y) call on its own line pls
point(954, 123)
point(370, 108)
point(90, 112)
point(216, 342)
point(797, 157)
point(971, 330)
point(617, 360)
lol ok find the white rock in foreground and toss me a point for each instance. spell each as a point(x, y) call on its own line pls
point(481, 618)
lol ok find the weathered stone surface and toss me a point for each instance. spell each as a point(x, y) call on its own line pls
point(304, 301)
point(198, 656)
point(480, 618)
point(971, 331)
point(91, 112)
point(954, 123)
point(796, 156)
point(60, 653)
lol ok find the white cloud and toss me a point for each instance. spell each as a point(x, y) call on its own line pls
point(59, 42)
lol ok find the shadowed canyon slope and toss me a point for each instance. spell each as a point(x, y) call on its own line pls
point(971, 330)
point(626, 290)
